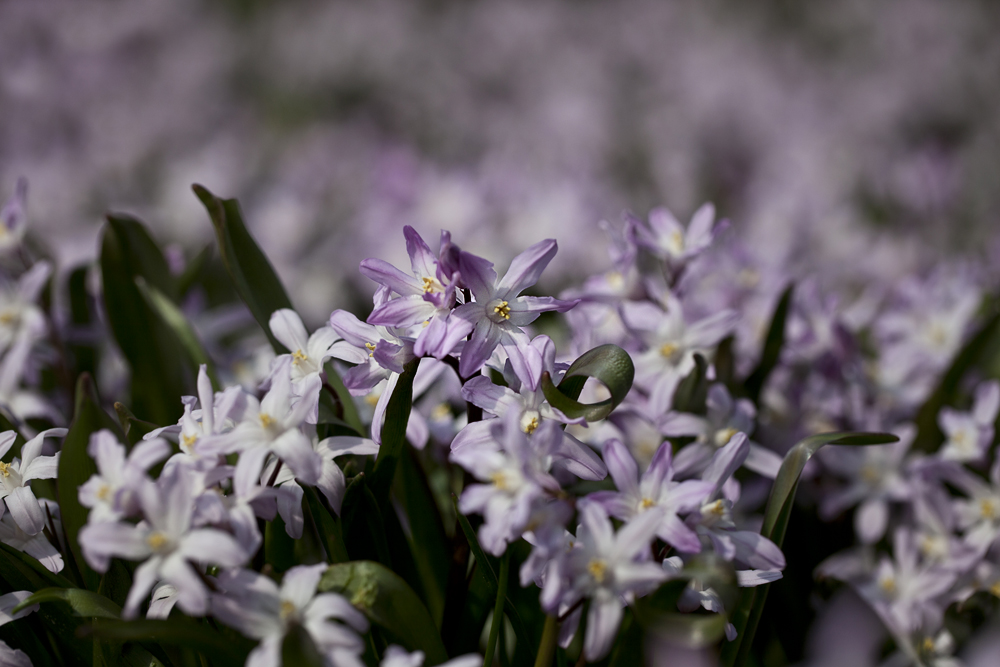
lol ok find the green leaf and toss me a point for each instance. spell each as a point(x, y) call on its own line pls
point(692, 390)
point(330, 528)
point(128, 252)
point(221, 650)
point(397, 414)
point(75, 468)
point(24, 573)
point(177, 322)
point(771, 353)
point(610, 365)
point(382, 596)
point(298, 648)
point(489, 574)
point(255, 279)
point(776, 515)
point(133, 427)
point(349, 411)
point(84, 603)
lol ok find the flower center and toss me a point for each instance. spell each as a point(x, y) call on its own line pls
point(298, 357)
point(156, 541)
point(266, 420)
point(103, 492)
point(371, 349)
point(669, 349)
point(502, 309)
point(888, 585)
point(431, 285)
point(500, 480)
point(647, 503)
point(987, 508)
point(5, 469)
point(287, 609)
point(8, 317)
point(187, 441)
point(995, 588)
point(598, 569)
point(724, 436)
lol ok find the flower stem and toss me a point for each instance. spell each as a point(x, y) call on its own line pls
point(547, 647)
point(498, 610)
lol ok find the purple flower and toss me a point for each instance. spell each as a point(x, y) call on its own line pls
point(257, 607)
point(14, 217)
point(377, 351)
point(165, 541)
point(498, 313)
point(654, 490)
point(426, 298)
point(111, 493)
point(14, 478)
point(667, 239)
point(970, 434)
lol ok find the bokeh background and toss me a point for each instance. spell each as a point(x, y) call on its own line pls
point(824, 131)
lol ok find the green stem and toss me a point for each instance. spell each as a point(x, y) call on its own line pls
point(547, 647)
point(491, 643)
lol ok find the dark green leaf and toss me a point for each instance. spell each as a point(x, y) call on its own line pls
point(133, 427)
point(221, 650)
point(298, 648)
point(771, 353)
point(253, 276)
point(75, 468)
point(128, 252)
point(397, 414)
point(610, 365)
point(172, 317)
point(693, 389)
point(83, 603)
point(776, 515)
point(330, 528)
point(349, 411)
point(386, 600)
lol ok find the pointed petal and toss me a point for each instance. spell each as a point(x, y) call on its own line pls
point(287, 327)
point(386, 274)
point(527, 267)
point(478, 275)
point(26, 511)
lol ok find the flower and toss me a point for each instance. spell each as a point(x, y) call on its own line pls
point(498, 312)
point(15, 491)
point(969, 434)
point(166, 541)
point(257, 607)
point(111, 493)
point(14, 217)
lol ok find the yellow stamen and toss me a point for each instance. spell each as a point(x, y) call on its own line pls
point(266, 420)
point(647, 503)
point(669, 349)
point(499, 480)
point(298, 357)
point(530, 427)
point(718, 508)
point(5, 469)
point(430, 285)
point(371, 349)
point(7, 317)
point(441, 412)
point(888, 585)
point(503, 310)
point(724, 436)
point(598, 569)
point(995, 588)
point(927, 645)
point(870, 474)
point(287, 609)
point(156, 541)
point(103, 492)
point(986, 507)
point(187, 441)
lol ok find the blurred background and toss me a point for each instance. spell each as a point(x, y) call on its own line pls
point(824, 131)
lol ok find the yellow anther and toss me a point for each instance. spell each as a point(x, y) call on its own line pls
point(371, 349)
point(995, 588)
point(187, 441)
point(718, 508)
point(500, 481)
point(888, 585)
point(987, 508)
point(647, 503)
point(103, 492)
point(430, 285)
point(530, 427)
point(156, 541)
point(5, 469)
point(441, 412)
point(372, 399)
point(724, 436)
point(677, 241)
point(503, 310)
point(927, 646)
point(870, 474)
point(598, 569)
point(298, 357)
point(669, 349)
point(266, 420)
point(6, 317)
point(287, 609)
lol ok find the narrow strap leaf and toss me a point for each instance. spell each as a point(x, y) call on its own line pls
point(771, 352)
point(83, 603)
point(397, 414)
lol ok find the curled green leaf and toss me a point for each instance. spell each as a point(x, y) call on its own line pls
point(610, 365)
